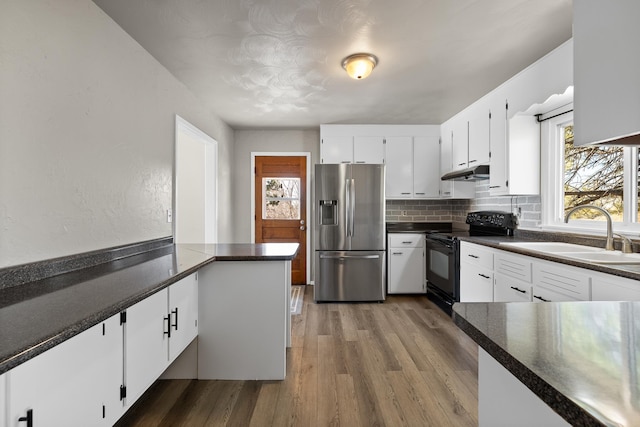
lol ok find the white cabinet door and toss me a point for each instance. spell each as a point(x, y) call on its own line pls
point(76, 383)
point(146, 348)
point(479, 133)
point(446, 158)
point(406, 269)
point(368, 149)
point(606, 70)
point(559, 282)
point(399, 173)
point(498, 143)
point(460, 143)
point(426, 166)
point(336, 149)
point(183, 308)
point(3, 400)
point(606, 287)
point(508, 289)
point(476, 283)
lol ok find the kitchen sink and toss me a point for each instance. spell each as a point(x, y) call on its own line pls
point(578, 252)
point(552, 247)
point(604, 257)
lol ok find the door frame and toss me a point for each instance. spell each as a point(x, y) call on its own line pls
point(252, 213)
point(211, 172)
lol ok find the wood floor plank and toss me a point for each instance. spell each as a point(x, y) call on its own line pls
point(328, 410)
point(399, 363)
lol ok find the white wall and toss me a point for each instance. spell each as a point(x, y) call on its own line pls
point(248, 141)
point(87, 134)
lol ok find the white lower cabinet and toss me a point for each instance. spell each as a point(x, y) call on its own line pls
point(508, 289)
point(183, 311)
point(76, 383)
point(553, 281)
point(3, 400)
point(513, 276)
point(406, 264)
point(146, 344)
point(607, 287)
point(476, 273)
point(157, 330)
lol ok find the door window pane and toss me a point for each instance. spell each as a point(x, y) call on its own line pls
point(281, 198)
point(593, 176)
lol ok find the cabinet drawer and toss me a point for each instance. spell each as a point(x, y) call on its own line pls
point(476, 283)
point(476, 255)
point(562, 279)
point(508, 289)
point(406, 240)
point(515, 266)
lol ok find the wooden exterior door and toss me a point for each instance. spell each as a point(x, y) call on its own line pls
point(281, 201)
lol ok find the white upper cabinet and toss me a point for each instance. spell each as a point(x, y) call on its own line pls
point(426, 166)
point(451, 189)
point(399, 174)
point(606, 70)
point(498, 143)
point(501, 128)
point(460, 142)
point(479, 133)
point(410, 153)
point(342, 146)
point(368, 149)
point(336, 149)
point(413, 167)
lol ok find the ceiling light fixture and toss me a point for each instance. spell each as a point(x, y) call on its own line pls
point(359, 65)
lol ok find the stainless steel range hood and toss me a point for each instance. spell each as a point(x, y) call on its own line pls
point(475, 173)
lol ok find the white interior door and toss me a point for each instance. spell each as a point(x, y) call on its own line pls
point(195, 185)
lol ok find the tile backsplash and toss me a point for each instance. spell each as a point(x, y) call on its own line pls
point(455, 211)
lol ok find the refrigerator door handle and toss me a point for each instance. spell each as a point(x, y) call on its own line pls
point(352, 208)
point(347, 211)
point(349, 256)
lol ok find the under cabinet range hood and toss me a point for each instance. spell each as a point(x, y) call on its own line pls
point(475, 173)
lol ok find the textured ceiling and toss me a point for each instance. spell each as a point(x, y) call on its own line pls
point(276, 63)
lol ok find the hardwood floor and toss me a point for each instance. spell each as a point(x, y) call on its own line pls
point(401, 363)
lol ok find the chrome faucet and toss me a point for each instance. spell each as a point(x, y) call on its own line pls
point(609, 245)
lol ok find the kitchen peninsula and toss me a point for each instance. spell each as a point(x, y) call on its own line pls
point(579, 362)
point(241, 306)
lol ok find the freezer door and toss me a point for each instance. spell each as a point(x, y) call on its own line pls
point(350, 276)
point(331, 206)
point(367, 198)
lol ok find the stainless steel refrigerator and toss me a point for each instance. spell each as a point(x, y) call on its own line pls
point(349, 233)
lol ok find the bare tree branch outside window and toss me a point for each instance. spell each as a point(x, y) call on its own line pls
point(593, 176)
point(281, 198)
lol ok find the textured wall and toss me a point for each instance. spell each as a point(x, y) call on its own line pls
point(87, 130)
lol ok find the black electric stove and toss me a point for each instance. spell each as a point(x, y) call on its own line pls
point(443, 253)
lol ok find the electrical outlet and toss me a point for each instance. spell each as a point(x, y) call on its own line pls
point(169, 216)
point(517, 211)
point(404, 213)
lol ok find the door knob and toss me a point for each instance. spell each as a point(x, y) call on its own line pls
point(302, 227)
point(302, 222)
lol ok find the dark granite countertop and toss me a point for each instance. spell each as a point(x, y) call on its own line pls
point(38, 315)
point(417, 227)
point(581, 358)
